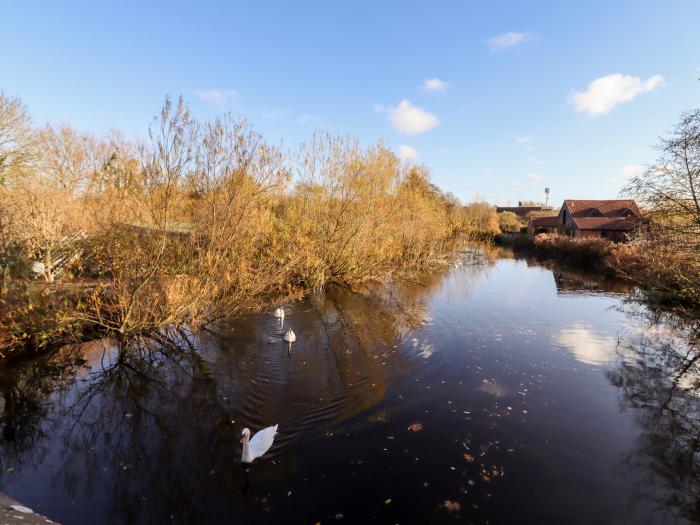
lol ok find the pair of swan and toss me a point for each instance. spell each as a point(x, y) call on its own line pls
point(289, 336)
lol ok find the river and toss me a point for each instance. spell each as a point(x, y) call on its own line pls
point(497, 391)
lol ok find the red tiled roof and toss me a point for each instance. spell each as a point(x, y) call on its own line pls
point(606, 223)
point(544, 222)
point(607, 208)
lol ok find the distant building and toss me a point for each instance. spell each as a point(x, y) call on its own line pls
point(547, 224)
point(610, 219)
point(520, 210)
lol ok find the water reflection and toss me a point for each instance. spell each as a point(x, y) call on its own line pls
point(587, 346)
point(454, 389)
point(659, 378)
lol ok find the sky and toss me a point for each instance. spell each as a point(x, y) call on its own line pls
point(500, 99)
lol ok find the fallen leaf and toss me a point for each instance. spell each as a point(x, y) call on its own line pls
point(415, 427)
point(387, 501)
point(451, 506)
point(469, 458)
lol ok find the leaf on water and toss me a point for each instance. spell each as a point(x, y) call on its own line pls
point(451, 506)
point(415, 427)
point(469, 458)
point(387, 501)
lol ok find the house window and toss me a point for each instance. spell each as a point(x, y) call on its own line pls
point(563, 220)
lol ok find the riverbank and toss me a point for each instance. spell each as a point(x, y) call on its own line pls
point(12, 512)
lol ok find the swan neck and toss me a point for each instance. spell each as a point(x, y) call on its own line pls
point(246, 450)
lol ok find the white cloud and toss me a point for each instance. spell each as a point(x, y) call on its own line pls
point(515, 183)
point(508, 40)
point(626, 173)
point(535, 176)
point(604, 93)
point(275, 114)
point(434, 85)
point(407, 152)
point(524, 139)
point(378, 108)
point(408, 118)
point(218, 97)
point(488, 172)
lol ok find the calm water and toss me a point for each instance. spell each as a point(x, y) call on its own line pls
point(496, 392)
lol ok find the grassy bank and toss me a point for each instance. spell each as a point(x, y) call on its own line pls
point(103, 235)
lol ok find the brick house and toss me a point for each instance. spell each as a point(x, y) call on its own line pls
point(609, 219)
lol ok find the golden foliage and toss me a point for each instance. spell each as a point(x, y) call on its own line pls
point(205, 220)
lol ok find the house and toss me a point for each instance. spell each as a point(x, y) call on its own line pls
point(519, 210)
point(610, 219)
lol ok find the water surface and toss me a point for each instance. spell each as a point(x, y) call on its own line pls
point(499, 391)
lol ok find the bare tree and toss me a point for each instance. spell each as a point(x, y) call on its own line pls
point(69, 158)
point(669, 192)
point(17, 138)
point(670, 189)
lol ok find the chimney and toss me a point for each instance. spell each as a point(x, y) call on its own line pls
point(520, 203)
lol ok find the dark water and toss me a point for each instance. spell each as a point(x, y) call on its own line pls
point(496, 392)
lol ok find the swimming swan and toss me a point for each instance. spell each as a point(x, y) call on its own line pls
point(290, 336)
point(279, 313)
point(258, 445)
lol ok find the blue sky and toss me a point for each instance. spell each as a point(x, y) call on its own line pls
point(570, 95)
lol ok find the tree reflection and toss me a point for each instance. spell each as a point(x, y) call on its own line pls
point(659, 377)
point(28, 391)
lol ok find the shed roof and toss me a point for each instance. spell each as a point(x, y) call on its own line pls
point(550, 221)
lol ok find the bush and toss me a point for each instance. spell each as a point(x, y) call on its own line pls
point(509, 222)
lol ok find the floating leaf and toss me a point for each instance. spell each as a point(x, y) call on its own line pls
point(415, 427)
point(469, 458)
point(451, 506)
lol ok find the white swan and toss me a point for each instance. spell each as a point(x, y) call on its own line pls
point(258, 445)
point(290, 336)
point(279, 313)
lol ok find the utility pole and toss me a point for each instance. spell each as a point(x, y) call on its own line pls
point(546, 197)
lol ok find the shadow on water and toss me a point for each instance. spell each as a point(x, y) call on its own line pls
point(477, 394)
